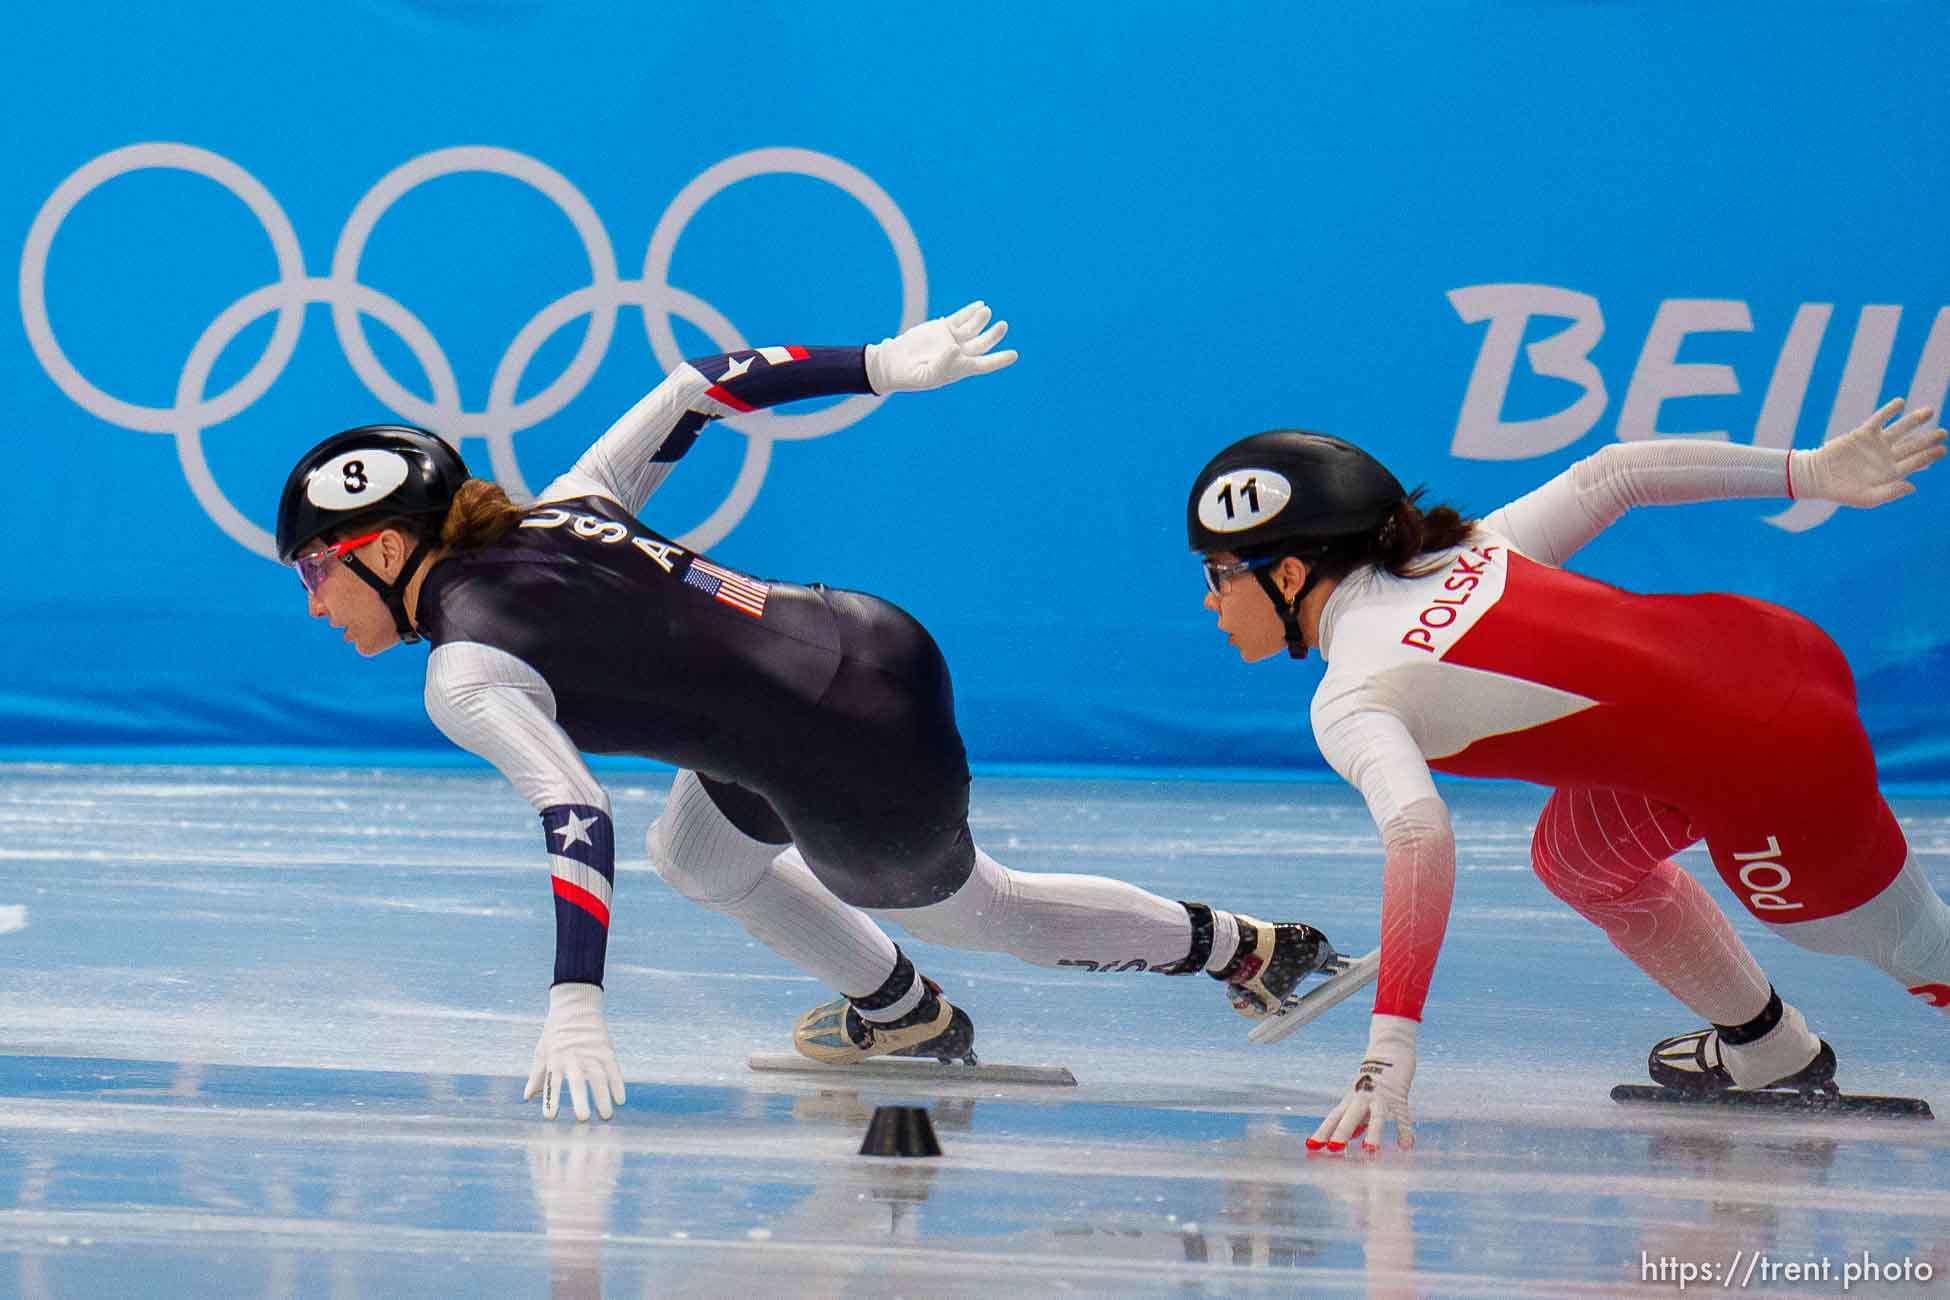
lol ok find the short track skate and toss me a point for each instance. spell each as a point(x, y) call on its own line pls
point(1346, 976)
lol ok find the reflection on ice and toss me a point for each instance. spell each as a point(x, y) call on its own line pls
point(230, 1064)
point(195, 1180)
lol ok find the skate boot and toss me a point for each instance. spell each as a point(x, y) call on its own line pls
point(1698, 1062)
point(835, 1033)
point(1271, 960)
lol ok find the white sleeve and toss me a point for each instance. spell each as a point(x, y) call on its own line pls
point(492, 704)
point(622, 464)
point(1372, 749)
point(1553, 522)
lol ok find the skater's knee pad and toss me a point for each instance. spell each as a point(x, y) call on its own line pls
point(699, 853)
point(1575, 882)
point(1595, 846)
point(972, 917)
point(715, 879)
point(1601, 898)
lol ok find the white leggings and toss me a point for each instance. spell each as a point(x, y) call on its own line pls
point(1088, 922)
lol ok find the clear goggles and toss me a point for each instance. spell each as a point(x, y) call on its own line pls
point(313, 569)
point(1219, 576)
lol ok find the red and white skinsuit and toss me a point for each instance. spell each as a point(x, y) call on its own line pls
point(1657, 720)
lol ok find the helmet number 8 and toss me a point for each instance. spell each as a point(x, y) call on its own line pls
point(355, 476)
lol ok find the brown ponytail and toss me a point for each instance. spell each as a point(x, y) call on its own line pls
point(1409, 533)
point(481, 514)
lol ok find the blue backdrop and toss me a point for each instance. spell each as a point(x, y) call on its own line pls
point(1483, 240)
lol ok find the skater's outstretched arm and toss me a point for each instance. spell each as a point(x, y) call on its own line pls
point(636, 455)
point(1418, 882)
point(493, 704)
point(1869, 466)
point(1375, 751)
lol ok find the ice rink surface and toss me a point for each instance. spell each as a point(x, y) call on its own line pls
point(262, 1033)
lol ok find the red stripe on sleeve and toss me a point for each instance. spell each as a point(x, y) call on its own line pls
point(582, 898)
point(716, 392)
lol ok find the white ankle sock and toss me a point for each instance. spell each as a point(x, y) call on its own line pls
point(1781, 1051)
point(899, 1007)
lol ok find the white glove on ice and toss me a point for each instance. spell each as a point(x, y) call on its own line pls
point(1379, 1094)
point(1869, 465)
point(938, 352)
point(574, 1054)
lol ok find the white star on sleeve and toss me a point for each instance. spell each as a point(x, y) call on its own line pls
point(576, 831)
point(735, 369)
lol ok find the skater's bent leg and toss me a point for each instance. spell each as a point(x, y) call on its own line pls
point(1603, 852)
point(1606, 854)
point(704, 856)
point(1051, 919)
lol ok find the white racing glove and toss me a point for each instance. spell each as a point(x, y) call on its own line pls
point(1379, 1093)
point(574, 1054)
point(938, 352)
point(1871, 464)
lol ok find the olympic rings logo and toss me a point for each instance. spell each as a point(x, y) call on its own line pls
point(502, 416)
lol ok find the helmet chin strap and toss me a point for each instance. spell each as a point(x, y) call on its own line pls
point(1296, 639)
point(394, 592)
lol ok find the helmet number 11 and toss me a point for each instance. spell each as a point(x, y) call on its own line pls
point(1243, 498)
point(1248, 492)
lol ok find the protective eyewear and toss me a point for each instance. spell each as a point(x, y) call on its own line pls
point(1219, 576)
point(313, 568)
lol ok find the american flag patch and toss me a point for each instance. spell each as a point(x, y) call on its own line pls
point(734, 589)
point(736, 370)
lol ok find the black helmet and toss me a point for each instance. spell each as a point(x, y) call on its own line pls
point(1288, 492)
point(1287, 484)
point(378, 471)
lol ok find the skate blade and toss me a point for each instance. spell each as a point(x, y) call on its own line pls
point(909, 1069)
point(1349, 976)
point(1777, 1101)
